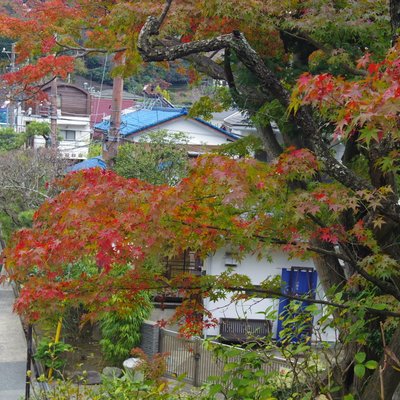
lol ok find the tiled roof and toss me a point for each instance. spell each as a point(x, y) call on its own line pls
point(140, 120)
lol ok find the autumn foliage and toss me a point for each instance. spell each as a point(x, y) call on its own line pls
point(116, 224)
point(325, 72)
point(367, 107)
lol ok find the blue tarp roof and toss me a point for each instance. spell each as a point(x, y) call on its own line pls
point(3, 115)
point(140, 120)
point(89, 163)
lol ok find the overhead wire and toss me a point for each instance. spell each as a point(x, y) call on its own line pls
point(101, 84)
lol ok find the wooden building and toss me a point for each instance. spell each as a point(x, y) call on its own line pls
point(73, 119)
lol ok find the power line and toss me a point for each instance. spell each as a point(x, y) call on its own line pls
point(101, 84)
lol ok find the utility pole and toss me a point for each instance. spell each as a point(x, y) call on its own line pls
point(111, 141)
point(53, 114)
point(11, 107)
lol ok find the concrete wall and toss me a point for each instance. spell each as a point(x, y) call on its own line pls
point(72, 149)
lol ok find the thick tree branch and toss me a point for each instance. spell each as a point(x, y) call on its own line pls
point(273, 241)
point(151, 51)
point(268, 137)
point(244, 99)
point(204, 64)
point(164, 284)
point(164, 12)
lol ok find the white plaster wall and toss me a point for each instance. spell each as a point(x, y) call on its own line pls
point(72, 149)
point(243, 131)
point(257, 271)
point(198, 133)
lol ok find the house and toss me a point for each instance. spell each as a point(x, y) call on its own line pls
point(73, 119)
point(237, 321)
point(234, 121)
point(238, 318)
point(138, 122)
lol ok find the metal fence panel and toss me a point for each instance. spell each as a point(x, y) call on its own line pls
point(189, 357)
point(180, 359)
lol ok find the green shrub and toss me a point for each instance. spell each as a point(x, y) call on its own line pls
point(121, 330)
point(50, 353)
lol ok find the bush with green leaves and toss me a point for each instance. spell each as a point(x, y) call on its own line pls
point(51, 353)
point(95, 150)
point(10, 140)
point(37, 128)
point(112, 388)
point(121, 330)
point(246, 374)
point(158, 158)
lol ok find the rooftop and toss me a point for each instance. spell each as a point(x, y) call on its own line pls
point(142, 119)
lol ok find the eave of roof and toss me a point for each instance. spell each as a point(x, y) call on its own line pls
point(223, 131)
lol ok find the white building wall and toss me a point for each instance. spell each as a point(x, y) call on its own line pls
point(257, 271)
point(199, 133)
point(72, 149)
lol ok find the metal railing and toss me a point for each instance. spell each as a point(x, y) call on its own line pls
point(189, 358)
point(240, 330)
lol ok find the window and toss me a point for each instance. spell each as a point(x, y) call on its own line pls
point(67, 135)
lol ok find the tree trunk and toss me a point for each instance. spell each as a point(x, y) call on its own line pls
point(271, 145)
point(386, 378)
point(395, 19)
point(329, 270)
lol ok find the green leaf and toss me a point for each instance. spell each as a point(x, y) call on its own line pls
point(371, 364)
point(367, 134)
point(335, 389)
point(359, 370)
point(348, 397)
point(360, 357)
point(230, 366)
point(380, 306)
point(313, 309)
point(214, 389)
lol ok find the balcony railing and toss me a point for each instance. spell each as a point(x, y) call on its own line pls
point(239, 330)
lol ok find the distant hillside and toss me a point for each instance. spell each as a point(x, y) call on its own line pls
point(97, 70)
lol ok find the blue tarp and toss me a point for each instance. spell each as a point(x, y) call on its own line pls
point(89, 163)
point(3, 115)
